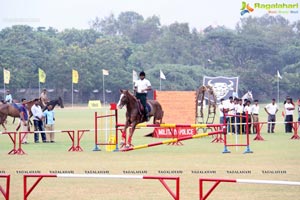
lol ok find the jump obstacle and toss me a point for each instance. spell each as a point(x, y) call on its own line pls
point(27, 190)
point(118, 127)
point(5, 191)
point(217, 181)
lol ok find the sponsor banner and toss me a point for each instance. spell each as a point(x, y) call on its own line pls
point(173, 132)
point(223, 87)
point(94, 104)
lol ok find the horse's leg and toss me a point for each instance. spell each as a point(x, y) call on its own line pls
point(129, 144)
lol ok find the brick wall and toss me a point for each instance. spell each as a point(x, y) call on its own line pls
point(179, 106)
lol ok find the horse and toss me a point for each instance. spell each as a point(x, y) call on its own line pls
point(12, 111)
point(135, 115)
point(247, 96)
point(54, 102)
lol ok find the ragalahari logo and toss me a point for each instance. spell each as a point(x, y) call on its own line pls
point(246, 8)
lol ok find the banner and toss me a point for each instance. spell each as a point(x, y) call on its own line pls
point(105, 72)
point(75, 76)
point(6, 76)
point(94, 104)
point(223, 87)
point(278, 75)
point(42, 76)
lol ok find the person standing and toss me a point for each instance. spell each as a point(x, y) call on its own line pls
point(239, 116)
point(24, 121)
point(141, 88)
point(248, 113)
point(49, 123)
point(289, 108)
point(255, 113)
point(223, 112)
point(271, 109)
point(8, 97)
point(38, 121)
point(231, 113)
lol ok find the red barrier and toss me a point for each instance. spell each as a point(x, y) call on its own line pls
point(27, 191)
point(75, 140)
point(217, 181)
point(5, 192)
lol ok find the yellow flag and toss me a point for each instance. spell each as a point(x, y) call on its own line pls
point(75, 76)
point(6, 76)
point(42, 76)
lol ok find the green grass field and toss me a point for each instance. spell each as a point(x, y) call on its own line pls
point(276, 158)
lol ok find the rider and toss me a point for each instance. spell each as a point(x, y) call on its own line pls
point(8, 97)
point(141, 87)
point(44, 98)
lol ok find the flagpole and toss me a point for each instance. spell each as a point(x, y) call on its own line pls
point(103, 90)
point(3, 85)
point(277, 90)
point(160, 83)
point(72, 93)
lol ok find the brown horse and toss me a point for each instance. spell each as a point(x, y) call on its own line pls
point(134, 114)
point(12, 111)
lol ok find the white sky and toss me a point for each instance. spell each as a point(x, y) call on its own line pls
point(62, 14)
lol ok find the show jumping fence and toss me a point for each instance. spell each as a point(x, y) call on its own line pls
point(27, 190)
point(217, 181)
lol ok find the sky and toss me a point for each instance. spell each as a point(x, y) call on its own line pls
point(66, 14)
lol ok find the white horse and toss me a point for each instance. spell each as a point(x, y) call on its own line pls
point(247, 96)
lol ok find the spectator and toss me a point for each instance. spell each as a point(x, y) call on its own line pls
point(255, 113)
point(231, 112)
point(248, 112)
point(239, 116)
point(271, 109)
point(38, 121)
point(289, 108)
point(49, 123)
point(24, 121)
point(223, 111)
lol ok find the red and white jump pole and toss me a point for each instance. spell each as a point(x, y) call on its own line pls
point(5, 191)
point(27, 191)
point(217, 181)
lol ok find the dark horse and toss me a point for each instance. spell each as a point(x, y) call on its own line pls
point(54, 102)
point(134, 114)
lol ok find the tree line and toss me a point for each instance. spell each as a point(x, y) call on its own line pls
point(254, 51)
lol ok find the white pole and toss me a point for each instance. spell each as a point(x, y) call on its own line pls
point(277, 90)
point(103, 90)
point(72, 93)
point(159, 83)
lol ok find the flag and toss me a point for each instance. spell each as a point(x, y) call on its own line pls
point(42, 76)
point(75, 76)
point(134, 76)
point(162, 76)
point(105, 72)
point(278, 75)
point(6, 76)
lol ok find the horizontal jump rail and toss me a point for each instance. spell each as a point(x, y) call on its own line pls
point(27, 191)
point(176, 125)
point(217, 181)
point(174, 140)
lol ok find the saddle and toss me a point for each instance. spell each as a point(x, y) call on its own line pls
point(141, 107)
